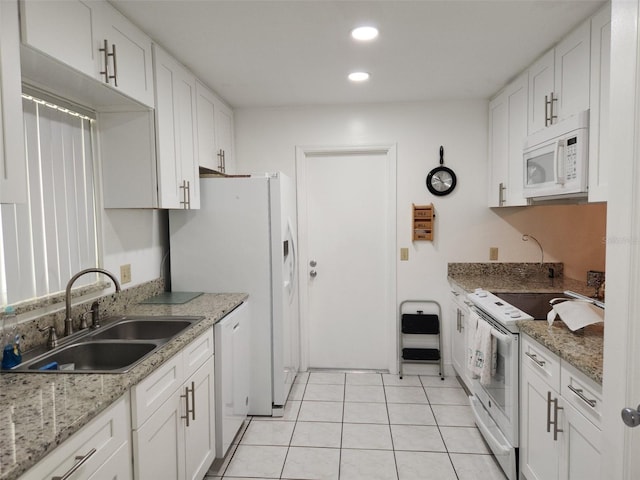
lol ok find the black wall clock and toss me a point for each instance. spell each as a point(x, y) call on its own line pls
point(441, 180)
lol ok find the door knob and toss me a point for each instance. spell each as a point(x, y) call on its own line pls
point(313, 263)
point(313, 273)
point(631, 417)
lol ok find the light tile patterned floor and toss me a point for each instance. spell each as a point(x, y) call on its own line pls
point(364, 426)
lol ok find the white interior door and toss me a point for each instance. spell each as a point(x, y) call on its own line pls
point(346, 215)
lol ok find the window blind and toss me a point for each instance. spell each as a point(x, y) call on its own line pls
point(53, 236)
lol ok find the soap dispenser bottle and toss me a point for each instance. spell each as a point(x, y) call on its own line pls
point(11, 354)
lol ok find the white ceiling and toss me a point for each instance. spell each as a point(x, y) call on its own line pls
point(299, 52)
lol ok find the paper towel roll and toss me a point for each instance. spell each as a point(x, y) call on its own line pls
point(576, 314)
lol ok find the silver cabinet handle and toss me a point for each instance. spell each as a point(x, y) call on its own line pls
point(186, 195)
point(581, 396)
point(193, 401)
point(501, 190)
point(81, 459)
point(553, 422)
point(534, 357)
point(457, 319)
point(549, 117)
point(455, 294)
point(105, 54)
point(115, 64)
point(221, 158)
point(188, 410)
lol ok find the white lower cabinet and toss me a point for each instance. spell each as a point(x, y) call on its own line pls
point(173, 419)
point(100, 450)
point(560, 434)
point(459, 313)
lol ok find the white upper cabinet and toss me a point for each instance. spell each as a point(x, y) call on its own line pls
point(94, 39)
point(178, 176)
point(215, 131)
point(599, 114)
point(13, 175)
point(559, 80)
point(507, 132)
point(127, 54)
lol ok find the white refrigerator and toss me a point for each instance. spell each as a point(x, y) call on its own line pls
point(243, 239)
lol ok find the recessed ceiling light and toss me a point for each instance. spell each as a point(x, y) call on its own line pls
point(359, 76)
point(364, 33)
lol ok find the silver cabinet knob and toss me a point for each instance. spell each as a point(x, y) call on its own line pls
point(630, 416)
point(313, 263)
point(313, 273)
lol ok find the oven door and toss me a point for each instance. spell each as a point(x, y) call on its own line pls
point(500, 395)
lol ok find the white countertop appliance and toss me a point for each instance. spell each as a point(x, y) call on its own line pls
point(495, 405)
point(556, 160)
point(243, 239)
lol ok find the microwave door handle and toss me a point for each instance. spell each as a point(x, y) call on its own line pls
point(559, 162)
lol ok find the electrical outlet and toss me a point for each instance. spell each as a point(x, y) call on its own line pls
point(125, 273)
point(493, 253)
point(404, 254)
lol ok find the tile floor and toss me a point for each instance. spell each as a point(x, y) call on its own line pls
point(364, 426)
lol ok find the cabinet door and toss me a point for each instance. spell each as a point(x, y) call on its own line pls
point(498, 149)
point(200, 446)
point(572, 72)
point(224, 136)
point(599, 105)
point(158, 446)
point(539, 453)
point(132, 62)
point(63, 29)
point(175, 120)
point(188, 154)
point(517, 104)
point(13, 177)
point(458, 347)
point(541, 83)
point(206, 121)
point(581, 447)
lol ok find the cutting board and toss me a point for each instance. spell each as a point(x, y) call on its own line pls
point(172, 298)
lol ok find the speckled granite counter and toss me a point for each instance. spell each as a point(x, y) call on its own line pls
point(40, 411)
point(583, 349)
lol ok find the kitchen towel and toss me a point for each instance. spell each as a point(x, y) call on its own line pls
point(576, 314)
point(471, 327)
point(484, 347)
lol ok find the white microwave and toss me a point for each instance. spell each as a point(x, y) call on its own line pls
point(556, 160)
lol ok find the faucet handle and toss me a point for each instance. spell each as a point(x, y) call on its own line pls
point(52, 341)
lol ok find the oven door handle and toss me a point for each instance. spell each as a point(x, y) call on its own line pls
point(501, 336)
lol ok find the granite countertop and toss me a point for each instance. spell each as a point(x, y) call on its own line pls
point(582, 349)
point(39, 411)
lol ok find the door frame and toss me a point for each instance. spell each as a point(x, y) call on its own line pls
point(302, 154)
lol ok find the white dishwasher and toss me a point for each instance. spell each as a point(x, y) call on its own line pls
point(232, 336)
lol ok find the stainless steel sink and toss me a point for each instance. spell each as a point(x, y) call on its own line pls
point(94, 356)
point(116, 347)
point(150, 328)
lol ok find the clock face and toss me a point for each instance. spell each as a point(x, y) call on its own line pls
point(441, 181)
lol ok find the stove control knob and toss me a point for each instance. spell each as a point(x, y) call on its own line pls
point(515, 314)
point(480, 292)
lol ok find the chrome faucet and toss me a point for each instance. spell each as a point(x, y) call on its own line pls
point(526, 237)
point(68, 321)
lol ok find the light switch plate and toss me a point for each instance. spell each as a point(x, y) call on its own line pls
point(404, 254)
point(125, 273)
point(493, 253)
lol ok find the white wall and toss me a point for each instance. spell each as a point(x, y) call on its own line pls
point(136, 237)
point(464, 229)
